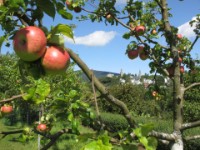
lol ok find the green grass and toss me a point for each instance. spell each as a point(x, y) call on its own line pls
point(8, 142)
point(63, 143)
point(67, 142)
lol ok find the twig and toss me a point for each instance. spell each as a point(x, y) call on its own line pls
point(95, 97)
point(196, 39)
point(194, 137)
point(191, 85)
point(190, 125)
point(54, 138)
point(12, 98)
point(5, 133)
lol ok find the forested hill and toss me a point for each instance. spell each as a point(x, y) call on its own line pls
point(100, 74)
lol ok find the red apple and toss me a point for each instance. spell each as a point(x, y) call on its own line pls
point(6, 109)
point(182, 69)
point(55, 60)
point(132, 54)
point(179, 36)
point(30, 43)
point(140, 30)
point(42, 127)
point(143, 55)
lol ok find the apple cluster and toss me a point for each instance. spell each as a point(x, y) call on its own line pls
point(30, 44)
point(139, 51)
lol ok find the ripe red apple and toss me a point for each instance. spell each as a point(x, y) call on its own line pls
point(42, 127)
point(55, 60)
point(6, 109)
point(143, 55)
point(140, 30)
point(182, 69)
point(154, 32)
point(132, 54)
point(30, 43)
point(179, 36)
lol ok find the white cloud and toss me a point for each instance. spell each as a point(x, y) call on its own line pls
point(97, 38)
point(186, 30)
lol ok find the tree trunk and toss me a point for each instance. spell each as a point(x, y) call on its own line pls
point(177, 145)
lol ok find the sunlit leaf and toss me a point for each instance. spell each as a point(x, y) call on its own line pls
point(62, 29)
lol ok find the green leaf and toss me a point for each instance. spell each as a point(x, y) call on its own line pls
point(152, 143)
point(72, 93)
point(105, 138)
point(70, 116)
point(16, 4)
point(126, 36)
point(57, 40)
point(62, 29)
point(47, 6)
point(146, 128)
point(30, 93)
point(137, 132)
point(91, 146)
point(96, 145)
point(2, 39)
point(63, 12)
point(75, 125)
point(43, 88)
point(144, 141)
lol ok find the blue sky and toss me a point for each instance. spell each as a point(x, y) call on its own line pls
point(102, 47)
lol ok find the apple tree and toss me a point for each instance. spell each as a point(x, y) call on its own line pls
point(144, 29)
point(145, 22)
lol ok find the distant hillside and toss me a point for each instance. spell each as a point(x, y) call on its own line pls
point(100, 74)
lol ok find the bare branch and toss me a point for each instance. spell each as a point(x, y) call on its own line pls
point(192, 85)
point(163, 136)
point(12, 98)
point(159, 4)
point(196, 39)
point(190, 125)
point(121, 23)
point(194, 137)
point(165, 142)
point(25, 20)
point(5, 133)
point(102, 89)
point(54, 138)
